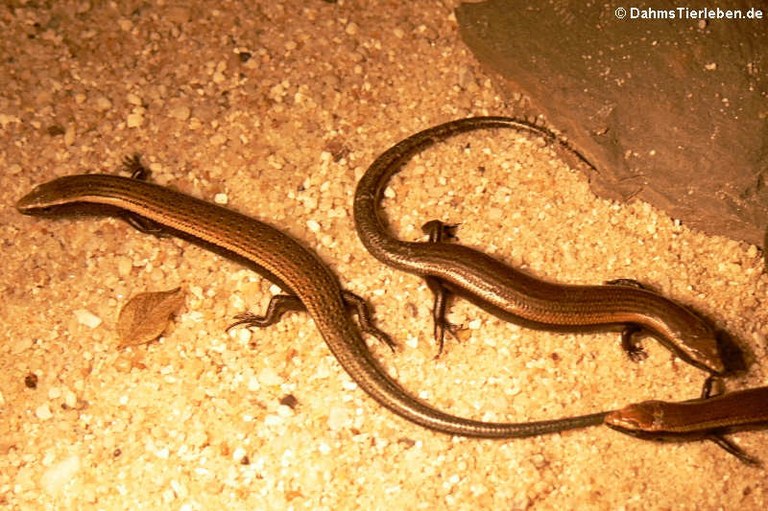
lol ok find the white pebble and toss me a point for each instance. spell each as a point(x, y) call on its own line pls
point(313, 225)
point(43, 412)
point(56, 477)
point(253, 384)
point(70, 399)
point(338, 418)
point(269, 376)
point(87, 318)
point(238, 454)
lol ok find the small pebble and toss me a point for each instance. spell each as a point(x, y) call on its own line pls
point(339, 418)
point(238, 454)
point(180, 112)
point(134, 120)
point(57, 476)
point(102, 104)
point(43, 412)
point(178, 14)
point(87, 318)
point(30, 381)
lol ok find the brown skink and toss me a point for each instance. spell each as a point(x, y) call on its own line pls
point(295, 267)
point(705, 418)
point(512, 294)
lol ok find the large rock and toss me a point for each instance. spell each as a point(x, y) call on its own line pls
point(673, 111)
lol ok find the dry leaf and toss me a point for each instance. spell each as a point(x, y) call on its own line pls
point(146, 315)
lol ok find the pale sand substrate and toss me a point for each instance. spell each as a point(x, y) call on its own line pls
point(195, 421)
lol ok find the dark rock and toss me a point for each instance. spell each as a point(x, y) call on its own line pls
point(672, 111)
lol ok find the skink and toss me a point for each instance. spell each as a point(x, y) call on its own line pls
point(306, 276)
point(705, 418)
point(509, 293)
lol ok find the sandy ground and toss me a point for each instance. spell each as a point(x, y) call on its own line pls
point(279, 108)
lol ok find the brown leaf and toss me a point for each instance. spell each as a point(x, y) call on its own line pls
point(146, 315)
